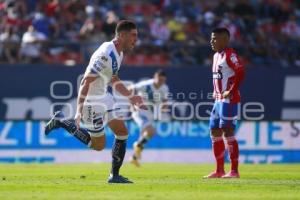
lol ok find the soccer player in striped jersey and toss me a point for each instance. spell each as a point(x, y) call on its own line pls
point(228, 72)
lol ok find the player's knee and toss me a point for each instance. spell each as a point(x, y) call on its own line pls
point(150, 131)
point(122, 132)
point(98, 147)
point(118, 127)
point(228, 132)
point(98, 143)
point(216, 132)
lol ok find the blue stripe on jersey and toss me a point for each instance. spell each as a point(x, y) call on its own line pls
point(114, 63)
point(97, 66)
point(109, 89)
point(93, 71)
point(149, 92)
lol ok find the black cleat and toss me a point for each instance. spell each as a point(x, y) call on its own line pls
point(118, 179)
point(53, 123)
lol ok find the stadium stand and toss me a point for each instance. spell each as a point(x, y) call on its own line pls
point(171, 32)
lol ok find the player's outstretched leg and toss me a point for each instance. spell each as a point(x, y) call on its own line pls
point(69, 125)
point(54, 123)
point(138, 146)
point(233, 149)
point(118, 151)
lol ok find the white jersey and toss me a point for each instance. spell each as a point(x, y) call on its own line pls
point(150, 93)
point(104, 62)
point(153, 97)
point(99, 106)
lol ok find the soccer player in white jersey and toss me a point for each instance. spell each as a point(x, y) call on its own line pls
point(96, 107)
point(155, 92)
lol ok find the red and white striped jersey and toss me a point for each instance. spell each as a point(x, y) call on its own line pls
point(227, 75)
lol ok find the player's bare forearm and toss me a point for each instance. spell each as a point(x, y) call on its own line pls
point(120, 87)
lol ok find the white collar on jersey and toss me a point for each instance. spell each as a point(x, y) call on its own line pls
point(115, 49)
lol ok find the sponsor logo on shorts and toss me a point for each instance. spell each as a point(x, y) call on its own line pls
point(98, 122)
point(90, 113)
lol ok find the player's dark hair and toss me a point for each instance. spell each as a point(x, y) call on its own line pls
point(161, 72)
point(125, 25)
point(221, 30)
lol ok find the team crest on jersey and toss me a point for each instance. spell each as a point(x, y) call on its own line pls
point(233, 58)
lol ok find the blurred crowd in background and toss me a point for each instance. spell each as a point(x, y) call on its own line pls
point(171, 32)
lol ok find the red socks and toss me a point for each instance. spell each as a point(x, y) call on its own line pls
point(219, 149)
point(233, 149)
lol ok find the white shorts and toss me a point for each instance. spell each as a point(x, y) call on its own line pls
point(97, 113)
point(143, 118)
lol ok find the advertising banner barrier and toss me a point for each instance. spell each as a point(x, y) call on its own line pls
point(175, 141)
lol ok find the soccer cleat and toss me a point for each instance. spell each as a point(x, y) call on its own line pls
point(118, 179)
point(231, 174)
point(53, 123)
point(137, 150)
point(214, 174)
point(135, 161)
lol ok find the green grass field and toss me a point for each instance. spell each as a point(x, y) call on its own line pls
point(152, 181)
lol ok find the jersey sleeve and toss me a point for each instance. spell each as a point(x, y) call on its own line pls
point(236, 65)
point(140, 86)
point(97, 64)
point(233, 60)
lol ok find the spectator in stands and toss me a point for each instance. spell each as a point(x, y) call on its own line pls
point(184, 24)
point(159, 31)
point(31, 46)
point(291, 28)
point(110, 23)
point(91, 34)
point(228, 21)
point(10, 43)
point(209, 23)
point(176, 27)
point(221, 9)
point(52, 8)
point(45, 25)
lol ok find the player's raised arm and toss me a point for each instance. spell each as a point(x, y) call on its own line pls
point(120, 87)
